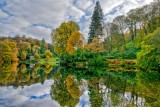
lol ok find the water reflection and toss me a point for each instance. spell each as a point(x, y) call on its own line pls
point(45, 86)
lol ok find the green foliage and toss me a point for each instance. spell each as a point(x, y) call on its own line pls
point(50, 47)
point(139, 38)
point(90, 58)
point(43, 46)
point(149, 57)
point(113, 55)
point(130, 51)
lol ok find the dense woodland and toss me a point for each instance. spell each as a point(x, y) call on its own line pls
point(135, 36)
point(15, 49)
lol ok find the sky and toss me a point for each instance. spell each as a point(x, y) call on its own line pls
point(37, 18)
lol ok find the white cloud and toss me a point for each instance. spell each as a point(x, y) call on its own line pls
point(38, 32)
point(83, 4)
point(113, 8)
point(75, 13)
point(28, 12)
point(19, 16)
point(3, 14)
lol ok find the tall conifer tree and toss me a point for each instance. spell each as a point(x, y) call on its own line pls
point(96, 27)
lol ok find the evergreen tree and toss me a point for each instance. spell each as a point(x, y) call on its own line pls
point(96, 27)
point(43, 46)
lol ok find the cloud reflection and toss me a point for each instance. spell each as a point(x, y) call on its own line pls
point(36, 95)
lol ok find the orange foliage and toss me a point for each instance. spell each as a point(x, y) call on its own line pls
point(72, 87)
point(96, 45)
point(75, 41)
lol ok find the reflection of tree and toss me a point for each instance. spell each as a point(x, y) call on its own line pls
point(60, 93)
point(72, 87)
point(115, 97)
point(119, 83)
point(48, 68)
point(95, 92)
point(148, 87)
point(23, 68)
point(66, 89)
point(8, 73)
point(12, 74)
point(35, 73)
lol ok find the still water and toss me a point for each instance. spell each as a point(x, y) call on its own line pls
point(24, 85)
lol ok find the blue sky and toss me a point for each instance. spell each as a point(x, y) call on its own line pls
point(37, 18)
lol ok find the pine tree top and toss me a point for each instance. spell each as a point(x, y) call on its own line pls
point(96, 26)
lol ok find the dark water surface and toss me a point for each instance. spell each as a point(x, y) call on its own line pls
point(47, 86)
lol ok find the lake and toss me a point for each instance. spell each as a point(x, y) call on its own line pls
point(33, 85)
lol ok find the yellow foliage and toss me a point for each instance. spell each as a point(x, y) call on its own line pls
point(48, 68)
point(61, 34)
point(23, 68)
point(72, 87)
point(96, 45)
point(75, 41)
point(48, 54)
point(14, 57)
point(13, 46)
point(23, 55)
point(70, 49)
point(5, 53)
point(48, 57)
point(37, 56)
point(24, 46)
point(35, 49)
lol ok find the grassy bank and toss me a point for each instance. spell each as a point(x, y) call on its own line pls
point(52, 61)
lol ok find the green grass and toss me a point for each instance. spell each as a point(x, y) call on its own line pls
point(53, 61)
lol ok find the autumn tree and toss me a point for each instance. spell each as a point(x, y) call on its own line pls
point(25, 46)
point(96, 26)
point(72, 87)
point(61, 34)
point(5, 53)
point(48, 68)
point(23, 55)
point(60, 93)
point(48, 54)
point(35, 49)
point(37, 56)
point(25, 50)
point(14, 50)
point(75, 41)
point(96, 45)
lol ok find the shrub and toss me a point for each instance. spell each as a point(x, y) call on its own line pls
point(149, 57)
point(93, 59)
point(37, 56)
